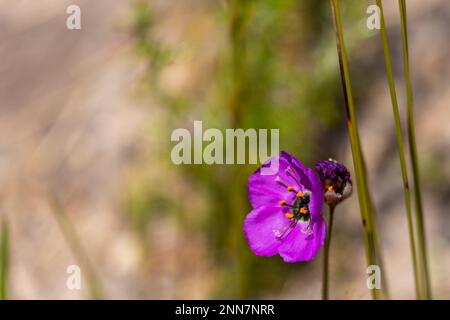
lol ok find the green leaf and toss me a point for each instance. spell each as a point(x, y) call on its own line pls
point(4, 261)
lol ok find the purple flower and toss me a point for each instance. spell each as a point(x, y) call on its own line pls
point(286, 218)
point(335, 179)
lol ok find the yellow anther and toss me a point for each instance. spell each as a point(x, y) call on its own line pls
point(289, 215)
point(300, 194)
point(330, 188)
point(282, 203)
point(290, 188)
point(303, 210)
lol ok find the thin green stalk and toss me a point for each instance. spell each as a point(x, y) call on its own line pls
point(240, 16)
point(4, 261)
point(400, 148)
point(372, 247)
point(326, 257)
point(72, 238)
point(420, 225)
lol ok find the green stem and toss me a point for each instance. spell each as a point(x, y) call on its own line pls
point(72, 238)
point(400, 147)
point(326, 256)
point(4, 261)
point(240, 17)
point(372, 247)
point(422, 255)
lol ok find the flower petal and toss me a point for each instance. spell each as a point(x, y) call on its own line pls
point(260, 226)
point(293, 160)
point(316, 202)
point(264, 190)
point(298, 246)
point(298, 168)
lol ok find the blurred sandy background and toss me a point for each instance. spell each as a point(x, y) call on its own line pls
point(85, 130)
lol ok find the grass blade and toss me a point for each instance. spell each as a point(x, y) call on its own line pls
point(73, 240)
point(372, 246)
point(420, 225)
point(4, 261)
point(400, 147)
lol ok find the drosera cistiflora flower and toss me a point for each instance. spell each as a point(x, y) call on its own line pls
point(286, 218)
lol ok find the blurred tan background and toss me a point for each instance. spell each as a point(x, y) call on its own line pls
point(85, 124)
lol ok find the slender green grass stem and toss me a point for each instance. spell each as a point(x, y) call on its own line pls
point(4, 261)
point(326, 257)
point(73, 240)
point(420, 226)
point(371, 241)
point(400, 148)
point(240, 16)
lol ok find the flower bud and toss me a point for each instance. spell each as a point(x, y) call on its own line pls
point(335, 179)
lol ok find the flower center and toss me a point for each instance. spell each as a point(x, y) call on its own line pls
point(300, 207)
